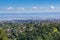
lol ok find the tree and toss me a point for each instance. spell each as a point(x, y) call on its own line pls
point(3, 35)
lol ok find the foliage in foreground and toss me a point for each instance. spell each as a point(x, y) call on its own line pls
point(30, 31)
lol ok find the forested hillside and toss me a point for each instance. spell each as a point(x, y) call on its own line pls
point(30, 31)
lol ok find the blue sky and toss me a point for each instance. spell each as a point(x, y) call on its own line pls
point(17, 6)
point(29, 9)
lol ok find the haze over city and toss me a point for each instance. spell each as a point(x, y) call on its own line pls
point(25, 9)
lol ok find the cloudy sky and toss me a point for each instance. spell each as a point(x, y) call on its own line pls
point(29, 9)
point(17, 6)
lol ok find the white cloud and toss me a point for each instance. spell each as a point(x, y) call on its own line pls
point(20, 9)
point(52, 7)
point(10, 8)
point(34, 8)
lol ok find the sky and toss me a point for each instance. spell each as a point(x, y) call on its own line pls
point(25, 9)
point(18, 6)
